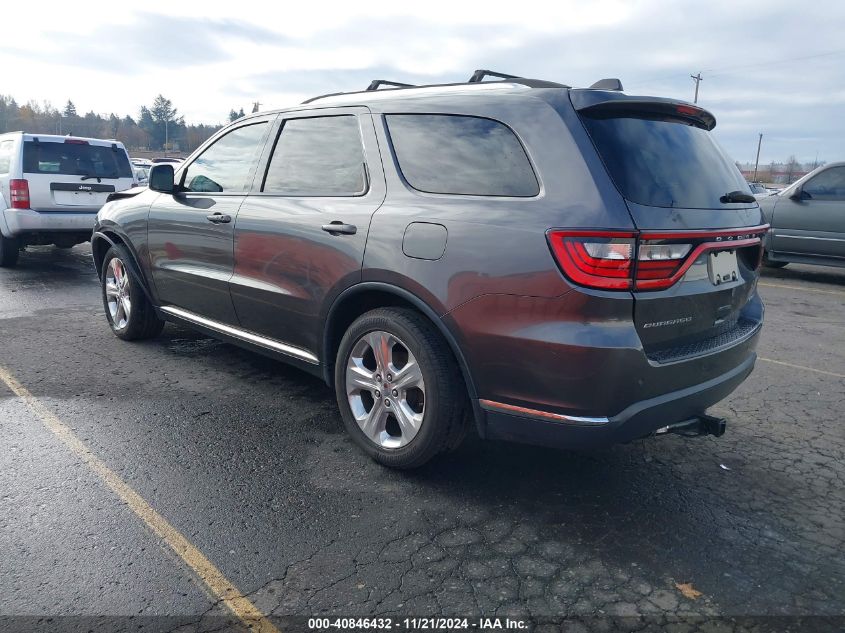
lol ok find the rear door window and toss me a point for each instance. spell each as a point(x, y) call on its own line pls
point(75, 158)
point(463, 155)
point(227, 165)
point(319, 156)
point(664, 162)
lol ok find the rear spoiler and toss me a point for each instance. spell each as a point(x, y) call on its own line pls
point(603, 104)
point(127, 193)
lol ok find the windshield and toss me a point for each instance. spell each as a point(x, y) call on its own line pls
point(75, 159)
point(663, 162)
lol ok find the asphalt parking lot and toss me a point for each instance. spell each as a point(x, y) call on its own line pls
point(246, 458)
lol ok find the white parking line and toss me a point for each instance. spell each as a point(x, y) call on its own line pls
point(217, 583)
point(817, 371)
point(802, 288)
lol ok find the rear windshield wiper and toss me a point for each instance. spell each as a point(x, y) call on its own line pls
point(99, 177)
point(737, 196)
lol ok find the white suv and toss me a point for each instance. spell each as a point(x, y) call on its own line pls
point(51, 188)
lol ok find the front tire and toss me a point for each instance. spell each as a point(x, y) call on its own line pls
point(9, 250)
point(130, 314)
point(399, 389)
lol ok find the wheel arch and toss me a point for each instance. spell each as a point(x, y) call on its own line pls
point(104, 239)
point(4, 227)
point(365, 296)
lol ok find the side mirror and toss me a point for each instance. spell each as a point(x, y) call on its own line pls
point(161, 178)
point(799, 194)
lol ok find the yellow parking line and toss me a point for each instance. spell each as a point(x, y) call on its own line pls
point(214, 579)
point(818, 371)
point(802, 288)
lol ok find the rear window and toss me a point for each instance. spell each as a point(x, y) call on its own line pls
point(465, 155)
point(75, 159)
point(664, 162)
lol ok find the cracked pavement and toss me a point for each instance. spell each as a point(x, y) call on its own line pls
point(247, 458)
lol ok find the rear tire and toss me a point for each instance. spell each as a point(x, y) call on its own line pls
point(9, 251)
point(130, 314)
point(400, 391)
point(768, 263)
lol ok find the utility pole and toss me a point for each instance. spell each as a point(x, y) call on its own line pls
point(757, 162)
point(697, 79)
point(165, 137)
point(255, 106)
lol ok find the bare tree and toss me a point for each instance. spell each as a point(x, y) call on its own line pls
point(791, 167)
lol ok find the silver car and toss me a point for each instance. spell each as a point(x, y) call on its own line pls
point(808, 220)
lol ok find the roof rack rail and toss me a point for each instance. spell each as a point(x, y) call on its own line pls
point(375, 83)
point(607, 84)
point(479, 75)
point(477, 78)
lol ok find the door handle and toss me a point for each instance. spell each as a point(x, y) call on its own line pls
point(339, 228)
point(219, 218)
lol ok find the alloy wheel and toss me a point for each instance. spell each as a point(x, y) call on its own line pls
point(385, 389)
point(118, 297)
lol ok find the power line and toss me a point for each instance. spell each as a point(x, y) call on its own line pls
point(728, 69)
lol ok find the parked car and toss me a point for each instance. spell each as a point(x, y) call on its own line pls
point(808, 220)
point(142, 175)
point(51, 188)
point(759, 191)
point(492, 253)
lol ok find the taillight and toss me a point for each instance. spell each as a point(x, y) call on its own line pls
point(627, 260)
point(658, 263)
point(19, 193)
point(596, 259)
point(76, 141)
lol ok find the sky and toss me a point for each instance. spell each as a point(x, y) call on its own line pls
point(769, 66)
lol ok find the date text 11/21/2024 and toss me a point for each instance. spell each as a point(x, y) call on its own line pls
point(418, 624)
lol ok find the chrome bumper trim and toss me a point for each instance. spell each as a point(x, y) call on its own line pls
point(510, 409)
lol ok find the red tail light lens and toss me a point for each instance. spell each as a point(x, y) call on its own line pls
point(19, 193)
point(76, 141)
point(658, 263)
point(601, 259)
point(626, 260)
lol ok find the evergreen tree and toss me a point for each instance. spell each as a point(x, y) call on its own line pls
point(70, 109)
point(163, 110)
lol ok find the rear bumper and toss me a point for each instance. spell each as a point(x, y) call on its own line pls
point(502, 422)
point(14, 222)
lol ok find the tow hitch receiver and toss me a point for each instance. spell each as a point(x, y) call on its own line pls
point(696, 427)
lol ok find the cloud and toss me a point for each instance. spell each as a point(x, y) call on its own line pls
point(762, 61)
point(149, 42)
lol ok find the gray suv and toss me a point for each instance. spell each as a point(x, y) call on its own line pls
point(565, 267)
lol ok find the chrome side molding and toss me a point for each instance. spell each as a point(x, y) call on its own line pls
point(244, 335)
point(501, 407)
